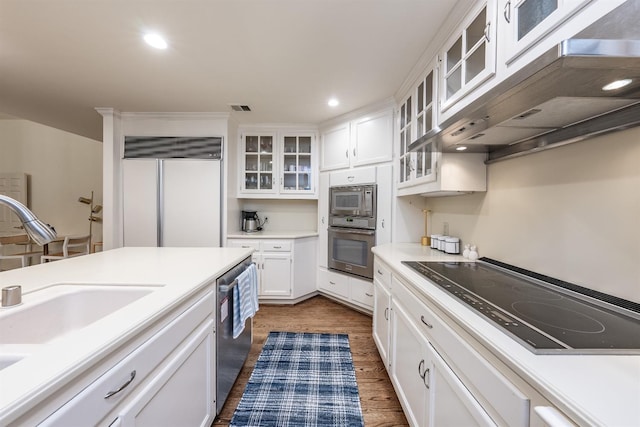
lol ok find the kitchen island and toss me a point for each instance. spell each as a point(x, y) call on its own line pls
point(495, 371)
point(180, 281)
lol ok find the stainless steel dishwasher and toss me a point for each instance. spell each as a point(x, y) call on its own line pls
point(230, 353)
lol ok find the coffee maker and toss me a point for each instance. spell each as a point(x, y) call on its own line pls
point(250, 222)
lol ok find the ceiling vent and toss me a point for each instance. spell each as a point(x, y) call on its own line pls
point(238, 107)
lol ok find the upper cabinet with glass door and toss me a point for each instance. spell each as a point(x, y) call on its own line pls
point(258, 163)
point(297, 176)
point(469, 56)
point(278, 164)
point(523, 23)
point(420, 115)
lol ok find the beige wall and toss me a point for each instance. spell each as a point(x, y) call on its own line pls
point(61, 167)
point(571, 212)
point(284, 215)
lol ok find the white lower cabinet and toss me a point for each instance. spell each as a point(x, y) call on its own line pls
point(146, 387)
point(430, 392)
point(382, 311)
point(283, 266)
point(275, 274)
point(441, 374)
point(358, 292)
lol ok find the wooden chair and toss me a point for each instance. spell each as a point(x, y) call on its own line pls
point(71, 247)
point(21, 241)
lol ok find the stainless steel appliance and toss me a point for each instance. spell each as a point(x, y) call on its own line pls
point(352, 224)
point(250, 222)
point(353, 206)
point(350, 250)
point(546, 315)
point(230, 353)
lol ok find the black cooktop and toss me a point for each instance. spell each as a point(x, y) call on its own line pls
point(547, 316)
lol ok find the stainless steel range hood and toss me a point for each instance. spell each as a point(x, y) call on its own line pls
point(557, 98)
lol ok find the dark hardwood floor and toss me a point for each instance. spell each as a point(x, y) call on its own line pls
point(380, 406)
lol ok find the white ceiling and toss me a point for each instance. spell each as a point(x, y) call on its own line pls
point(59, 59)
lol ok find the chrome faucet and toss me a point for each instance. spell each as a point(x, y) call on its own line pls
point(37, 230)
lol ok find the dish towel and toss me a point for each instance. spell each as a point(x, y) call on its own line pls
point(245, 298)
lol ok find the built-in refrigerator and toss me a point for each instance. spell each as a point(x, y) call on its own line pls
point(172, 191)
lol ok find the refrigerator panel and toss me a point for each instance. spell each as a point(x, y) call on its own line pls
point(191, 203)
point(140, 201)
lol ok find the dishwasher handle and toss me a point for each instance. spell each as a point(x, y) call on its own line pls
point(226, 288)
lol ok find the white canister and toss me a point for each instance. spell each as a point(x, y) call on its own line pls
point(442, 242)
point(452, 245)
point(434, 241)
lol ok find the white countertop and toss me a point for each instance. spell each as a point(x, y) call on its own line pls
point(269, 234)
point(182, 272)
point(597, 389)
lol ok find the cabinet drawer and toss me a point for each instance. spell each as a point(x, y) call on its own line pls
point(362, 292)
point(242, 243)
point(476, 373)
point(353, 176)
point(91, 404)
point(382, 273)
point(335, 283)
point(276, 246)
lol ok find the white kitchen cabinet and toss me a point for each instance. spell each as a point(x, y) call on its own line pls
point(469, 56)
point(430, 392)
point(362, 141)
point(456, 173)
point(523, 23)
point(384, 178)
point(382, 310)
point(418, 166)
point(409, 368)
point(277, 163)
point(356, 176)
point(145, 381)
point(323, 220)
point(156, 404)
point(283, 266)
point(349, 289)
point(275, 274)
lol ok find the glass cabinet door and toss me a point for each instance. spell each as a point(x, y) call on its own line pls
point(258, 162)
point(296, 163)
point(405, 141)
point(469, 58)
point(425, 157)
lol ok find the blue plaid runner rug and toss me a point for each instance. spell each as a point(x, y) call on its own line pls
point(301, 379)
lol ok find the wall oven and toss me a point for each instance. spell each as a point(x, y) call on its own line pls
point(350, 250)
point(352, 224)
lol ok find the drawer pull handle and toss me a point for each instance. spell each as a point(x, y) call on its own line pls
point(122, 387)
point(246, 247)
point(425, 322)
point(379, 272)
point(368, 294)
point(277, 247)
point(332, 283)
point(386, 313)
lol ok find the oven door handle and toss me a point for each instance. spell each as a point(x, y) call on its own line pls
point(352, 231)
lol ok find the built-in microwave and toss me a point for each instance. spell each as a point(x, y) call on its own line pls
point(353, 206)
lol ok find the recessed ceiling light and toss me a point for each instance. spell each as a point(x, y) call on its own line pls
point(333, 102)
point(155, 40)
point(461, 148)
point(617, 84)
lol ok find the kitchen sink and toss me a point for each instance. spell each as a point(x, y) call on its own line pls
point(59, 309)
